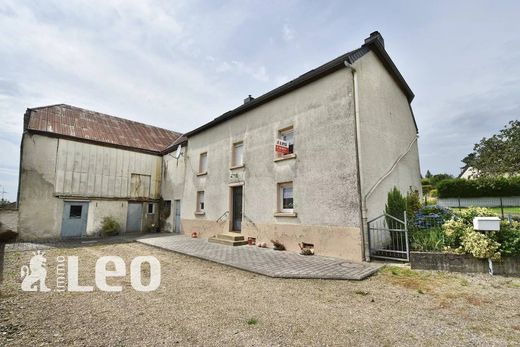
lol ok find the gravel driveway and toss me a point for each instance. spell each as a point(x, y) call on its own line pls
point(202, 303)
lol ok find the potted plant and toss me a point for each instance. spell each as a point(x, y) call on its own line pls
point(277, 245)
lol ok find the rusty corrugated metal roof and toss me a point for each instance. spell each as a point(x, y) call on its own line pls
point(75, 122)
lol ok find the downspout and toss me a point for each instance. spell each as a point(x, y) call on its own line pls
point(358, 158)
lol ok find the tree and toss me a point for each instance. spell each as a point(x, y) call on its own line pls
point(435, 179)
point(428, 174)
point(498, 155)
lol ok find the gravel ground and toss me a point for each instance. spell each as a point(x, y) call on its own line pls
point(202, 303)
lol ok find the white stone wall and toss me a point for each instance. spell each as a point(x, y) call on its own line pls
point(386, 130)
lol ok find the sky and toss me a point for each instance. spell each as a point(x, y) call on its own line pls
point(179, 64)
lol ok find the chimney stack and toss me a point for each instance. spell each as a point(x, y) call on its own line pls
point(375, 36)
point(248, 99)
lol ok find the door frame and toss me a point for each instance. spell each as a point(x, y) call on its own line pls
point(230, 209)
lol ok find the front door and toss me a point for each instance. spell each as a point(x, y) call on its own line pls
point(74, 222)
point(237, 209)
point(177, 216)
point(134, 217)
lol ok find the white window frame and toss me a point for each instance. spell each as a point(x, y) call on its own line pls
point(203, 168)
point(234, 162)
point(283, 132)
point(281, 187)
point(200, 194)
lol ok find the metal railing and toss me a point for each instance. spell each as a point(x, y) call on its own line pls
point(388, 238)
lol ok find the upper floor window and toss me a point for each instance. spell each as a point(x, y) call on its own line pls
point(237, 157)
point(288, 136)
point(203, 162)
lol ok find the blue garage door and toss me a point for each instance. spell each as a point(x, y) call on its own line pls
point(74, 222)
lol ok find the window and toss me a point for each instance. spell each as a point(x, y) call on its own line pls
point(200, 201)
point(75, 211)
point(286, 203)
point(288, 135)
point(203, 162)
point(238, 154)
point(151, 208)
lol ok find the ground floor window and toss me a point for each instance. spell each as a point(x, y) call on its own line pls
point(285, 193)
point(151, 209)
point(200, 201)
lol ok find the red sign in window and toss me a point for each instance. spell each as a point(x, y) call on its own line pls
point(281, 146)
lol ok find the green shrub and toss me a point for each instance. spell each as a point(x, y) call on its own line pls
point(109, 226)
point(395, 206)
point(480, 245)
point(453, 231)
point(428, 240)
point(413, 204)
point(509, 238)
point(481, 187)
point(468, 214)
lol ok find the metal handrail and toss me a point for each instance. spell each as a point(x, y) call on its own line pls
point(222, 217)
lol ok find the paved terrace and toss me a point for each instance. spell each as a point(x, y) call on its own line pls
point(264, 261)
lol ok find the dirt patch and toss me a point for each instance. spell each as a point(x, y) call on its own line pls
point(202, 303)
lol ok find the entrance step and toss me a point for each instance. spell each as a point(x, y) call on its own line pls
point(229, 239)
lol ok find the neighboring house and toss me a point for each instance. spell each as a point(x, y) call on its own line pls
point(468, 173)
point(78, 166)
point(348, 135)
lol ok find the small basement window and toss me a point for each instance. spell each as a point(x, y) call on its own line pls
point(200, 201)
point(151, 208)
point(286, 202)
point(75, 211)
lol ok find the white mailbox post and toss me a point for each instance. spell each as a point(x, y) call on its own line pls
point(486, 223)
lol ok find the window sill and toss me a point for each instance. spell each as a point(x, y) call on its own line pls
point(285, 214)
point(285, 157)
point(202, 174)
point(237, 167)
point(200, 213)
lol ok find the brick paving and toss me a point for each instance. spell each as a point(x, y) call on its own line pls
point(264, 261)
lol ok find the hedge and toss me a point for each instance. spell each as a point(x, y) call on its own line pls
point(481, 187)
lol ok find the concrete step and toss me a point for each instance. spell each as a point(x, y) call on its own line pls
point(230, 236)
point(228, 241)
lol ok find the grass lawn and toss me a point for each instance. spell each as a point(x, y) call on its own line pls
point(200, 303)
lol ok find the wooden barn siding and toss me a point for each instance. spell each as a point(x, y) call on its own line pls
point(97, 171)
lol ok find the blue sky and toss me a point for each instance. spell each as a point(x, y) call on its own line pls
point(178, 64)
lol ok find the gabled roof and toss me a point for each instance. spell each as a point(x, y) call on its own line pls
point(84, 125)
point(374, 43)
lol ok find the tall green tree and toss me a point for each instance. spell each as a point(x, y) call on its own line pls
point(498, 155)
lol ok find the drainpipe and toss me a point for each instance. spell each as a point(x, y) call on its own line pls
point(358, 157)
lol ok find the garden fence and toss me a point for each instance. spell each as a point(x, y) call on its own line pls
point(506, 206)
